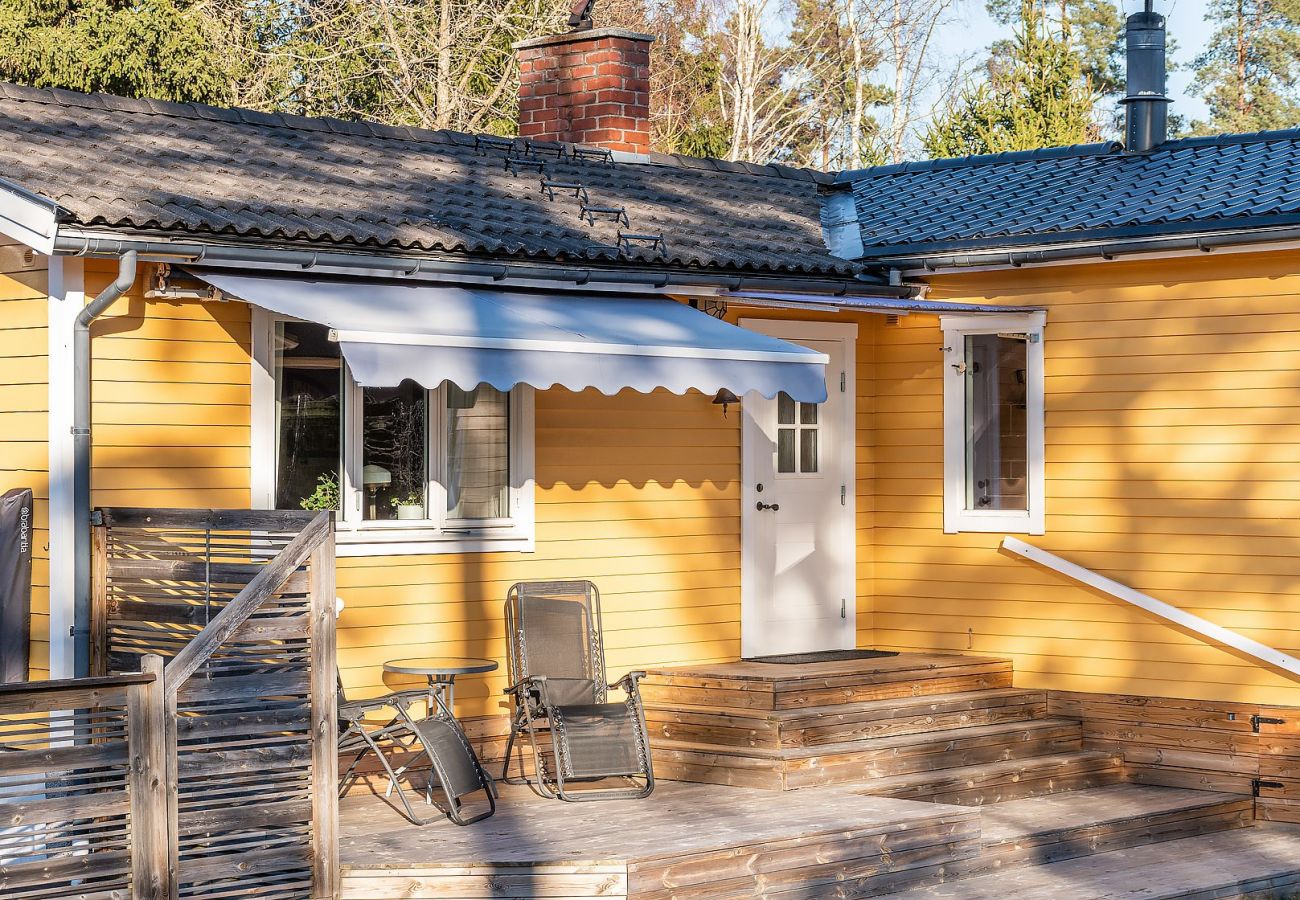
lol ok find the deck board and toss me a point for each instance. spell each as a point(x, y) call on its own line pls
point(753, 840)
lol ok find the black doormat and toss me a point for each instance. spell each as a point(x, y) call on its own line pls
point(821, 656)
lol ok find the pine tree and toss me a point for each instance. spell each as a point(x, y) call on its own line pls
point(1036, 95)
point(1094, 29)
point(139, 48)
point(1249, 72)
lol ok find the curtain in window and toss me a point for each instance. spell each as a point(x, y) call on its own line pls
point(478, 453)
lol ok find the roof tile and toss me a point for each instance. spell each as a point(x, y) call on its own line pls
point(190, 169)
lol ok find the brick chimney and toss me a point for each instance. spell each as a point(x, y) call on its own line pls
point(589, 87)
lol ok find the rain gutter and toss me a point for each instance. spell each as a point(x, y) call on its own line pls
point(80, 243)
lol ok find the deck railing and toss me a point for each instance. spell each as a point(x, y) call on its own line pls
point(238, 766)
point(76, 803)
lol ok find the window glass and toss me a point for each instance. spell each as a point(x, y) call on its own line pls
point(394, 443)
point(796, 436)
point(785, 449)
point(784, 409)
point(477, 441)
point(997, 442)
point(808, 450)
point(308, 389)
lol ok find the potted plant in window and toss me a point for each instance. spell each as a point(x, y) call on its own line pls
point(409, 505)
point(326, 495)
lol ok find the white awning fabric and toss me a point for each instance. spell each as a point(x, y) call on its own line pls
point(469, 336)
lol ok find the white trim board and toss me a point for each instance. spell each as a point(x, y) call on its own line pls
point(1173, 615)
point(30, 219)
point(67, 297)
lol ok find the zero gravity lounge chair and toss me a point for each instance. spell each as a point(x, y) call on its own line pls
point(406, 740)
point(558, 689)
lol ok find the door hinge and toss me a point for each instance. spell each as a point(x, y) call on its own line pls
point(844, 608)
point(843, 381)
point(844, 495)
point(1256, 721)
point(1256, 784)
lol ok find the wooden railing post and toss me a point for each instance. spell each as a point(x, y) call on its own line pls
point(151, 873)
point(99, 602)
point(324, 721)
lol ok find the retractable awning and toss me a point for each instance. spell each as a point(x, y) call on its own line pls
point(469, 336)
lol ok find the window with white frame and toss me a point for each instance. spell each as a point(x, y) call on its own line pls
point(409, 470)
point(993, 423)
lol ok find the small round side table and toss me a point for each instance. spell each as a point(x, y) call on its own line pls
point(440, 672)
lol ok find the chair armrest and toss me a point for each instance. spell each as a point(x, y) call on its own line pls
point(527, 681)
point(629, 681)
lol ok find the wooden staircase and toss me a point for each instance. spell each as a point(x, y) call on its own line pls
point(939, 727)
point(1055, 819)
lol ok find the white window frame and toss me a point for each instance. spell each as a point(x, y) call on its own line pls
point(356, 536)
point(956, 517)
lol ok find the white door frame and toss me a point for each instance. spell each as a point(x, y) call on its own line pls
point(757, 536)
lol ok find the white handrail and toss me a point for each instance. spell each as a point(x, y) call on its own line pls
point(1173, 614)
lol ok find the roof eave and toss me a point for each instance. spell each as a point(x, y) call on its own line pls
point(404, 263)
point(1093, 242)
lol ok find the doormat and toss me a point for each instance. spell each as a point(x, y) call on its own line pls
point(821, 656)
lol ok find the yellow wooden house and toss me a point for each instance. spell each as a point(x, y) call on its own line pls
point(1038, 406)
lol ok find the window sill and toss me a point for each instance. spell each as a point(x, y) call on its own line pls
point(389, 540)
point(1011, 522)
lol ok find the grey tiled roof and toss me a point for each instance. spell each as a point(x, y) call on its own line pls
point(1088, 192)
point(189, 170)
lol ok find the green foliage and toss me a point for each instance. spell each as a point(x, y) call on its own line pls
point(1093, 29)
point(1248, 73)
point(326, 495)
point(153, 48)
point(1036, 95)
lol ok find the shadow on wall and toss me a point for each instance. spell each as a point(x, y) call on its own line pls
point(1171, 435)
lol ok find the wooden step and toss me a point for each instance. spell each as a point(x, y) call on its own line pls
point(1009, 779)
point(865, 760)
point(1054, 827)
point(1259, 862)
point(764, 686)
point(821, 725)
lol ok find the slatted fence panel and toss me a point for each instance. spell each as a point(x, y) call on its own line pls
point(250, 794)
point(66, 818)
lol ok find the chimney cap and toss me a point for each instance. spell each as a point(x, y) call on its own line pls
point(573, 37)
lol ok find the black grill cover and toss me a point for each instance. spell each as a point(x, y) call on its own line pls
point(15, 583)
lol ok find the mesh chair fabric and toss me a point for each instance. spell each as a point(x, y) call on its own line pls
point(601, 739)
point(452, 759)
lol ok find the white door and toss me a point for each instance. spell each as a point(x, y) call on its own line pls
point(798, 541)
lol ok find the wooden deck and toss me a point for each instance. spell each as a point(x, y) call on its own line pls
point(685, 841)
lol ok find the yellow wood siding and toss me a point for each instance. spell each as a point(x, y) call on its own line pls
point(171, 400)
point(1173, 412)
point(1173, 419)
point(24, 460)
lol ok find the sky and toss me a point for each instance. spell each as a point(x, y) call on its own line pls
point(973, 31)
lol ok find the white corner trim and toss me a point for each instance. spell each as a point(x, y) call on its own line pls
point(262, 410)
point(67, 298)
point(956, 517)
point(1170, 613)
point(29, 219)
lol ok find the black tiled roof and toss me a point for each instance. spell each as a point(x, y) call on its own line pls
point(188, 170)
point(1095, 191)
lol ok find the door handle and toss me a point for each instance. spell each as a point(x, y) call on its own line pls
point(772, 506)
